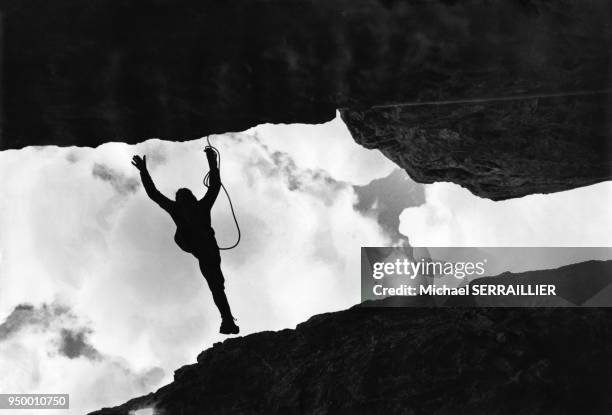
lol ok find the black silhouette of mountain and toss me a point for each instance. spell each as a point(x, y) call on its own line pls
point(379, 360)
point(87, 72)
point(575, 284)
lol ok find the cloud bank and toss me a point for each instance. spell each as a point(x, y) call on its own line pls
point(46, 349)
point(79, 232)
point(96, 300)
point(452, 216)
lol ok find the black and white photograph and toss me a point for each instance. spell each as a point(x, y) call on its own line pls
point(305, 207)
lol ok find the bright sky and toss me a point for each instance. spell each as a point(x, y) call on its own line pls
point(81, 242)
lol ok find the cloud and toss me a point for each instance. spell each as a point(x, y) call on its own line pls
point(122, 184)
point(72, 157)
point(26, 315)
point(327, 147)
point(278, 165)
point(74, 344)
point(92, 241)
point(387, 197)
point(156, 154)
point(117, 306)
point(452, 216)
point(46, 349)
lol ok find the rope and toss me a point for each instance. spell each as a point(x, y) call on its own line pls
point(490, 99)
point(408, 104)
point(206, 182)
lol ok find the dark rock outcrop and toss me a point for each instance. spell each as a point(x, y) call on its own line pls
point(497, 149)
point(84, 73)
point(579, 284)
point(405, 361)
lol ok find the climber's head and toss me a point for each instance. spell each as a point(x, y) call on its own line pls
point(184, 197)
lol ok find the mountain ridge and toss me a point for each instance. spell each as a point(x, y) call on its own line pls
point(84, 73)
point(403, 360)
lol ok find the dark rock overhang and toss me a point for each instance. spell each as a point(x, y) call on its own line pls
point(84, 73)
point(378, 359)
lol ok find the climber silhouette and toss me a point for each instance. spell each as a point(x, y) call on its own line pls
point(194, 233)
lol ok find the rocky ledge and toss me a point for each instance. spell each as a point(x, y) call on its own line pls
point(85, 73)
point(379, 360)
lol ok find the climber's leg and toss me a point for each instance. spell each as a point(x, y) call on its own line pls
point(211, 270)
point(220, 299)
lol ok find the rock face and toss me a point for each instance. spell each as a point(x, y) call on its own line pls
point(583, 284)
point(83, 73)
point(407, 361)
point(498, 149)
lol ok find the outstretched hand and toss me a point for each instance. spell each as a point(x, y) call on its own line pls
point(140, 162)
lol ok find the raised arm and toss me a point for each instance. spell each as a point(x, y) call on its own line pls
point(214, 184)
point(141, 164)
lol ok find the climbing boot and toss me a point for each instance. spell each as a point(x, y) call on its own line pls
point(229, 327)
